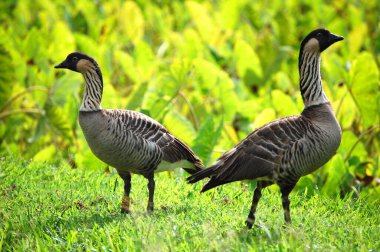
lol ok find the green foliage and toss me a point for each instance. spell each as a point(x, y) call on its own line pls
point(210, 71)
point(49, 206)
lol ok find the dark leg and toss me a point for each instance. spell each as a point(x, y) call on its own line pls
point(126, 201)
point(151, 185)
point(256, 197)
point(285, 191)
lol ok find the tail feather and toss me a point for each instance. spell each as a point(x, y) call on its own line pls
point(213, 183)
point(204, 173)
point(197, 167)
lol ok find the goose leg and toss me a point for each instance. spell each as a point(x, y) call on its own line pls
point(256, 197)
point(285, 191)
point(126, 201)
point(151, 186)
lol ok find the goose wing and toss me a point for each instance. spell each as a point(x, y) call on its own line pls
point(258, 155)
point(151, 132)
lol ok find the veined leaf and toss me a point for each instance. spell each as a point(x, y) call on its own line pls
point(45, 154)
point(264, 117)
point(144, 60)
point(335, 170)
point(58, 120)
point(356, 38)
point(63, 41)
point(364, 87)
point(248, 64)
point(351, 146)
point(128, 65)
point(207, 138)
point(217, 83)
point(284, 103)
point(6, 76)
point(202, 20)
point(131, 21)
point(137, 96)
point(180, 127)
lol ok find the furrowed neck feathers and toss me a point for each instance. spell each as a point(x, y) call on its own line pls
point(310, 78)
point(93, 85)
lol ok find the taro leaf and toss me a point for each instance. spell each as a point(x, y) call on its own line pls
point(137, 96)
point(284, 103)
point(128, 65)
point(217, 83)
point(180, 126)
point(264, 117)
point(356, 38)
point(207, 138)
point(248, 64)
point(306, 184)
point(351, 146)
point(6, 76)
point(364, 88)
point(45, 154)
point(58, 120)
point(202, 20)
point(144, 60)
point(335, 171)
point(131, 21)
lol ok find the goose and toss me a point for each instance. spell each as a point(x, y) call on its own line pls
point(284, 150)
point(127, 140)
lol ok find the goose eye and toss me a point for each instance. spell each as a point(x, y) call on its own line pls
point(74, 59)
point(319, 34)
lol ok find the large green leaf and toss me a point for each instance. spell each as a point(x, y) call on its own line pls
point(131, 21)
point(248, 64)
point(202, 20)
point(335, 171)
point(207, 138)
point(284, 103)
point(364, 87)
point(180, 126)
point(6, 76)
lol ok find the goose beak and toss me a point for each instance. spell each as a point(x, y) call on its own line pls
point(63, 64)
point(335, 38)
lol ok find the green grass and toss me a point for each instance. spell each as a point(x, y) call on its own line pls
point(53, 207)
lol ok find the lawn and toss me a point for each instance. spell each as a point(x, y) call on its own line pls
point(52, 207)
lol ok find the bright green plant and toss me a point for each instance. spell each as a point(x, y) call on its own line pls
point(211, 72)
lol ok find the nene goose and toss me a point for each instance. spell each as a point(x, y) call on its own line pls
point(127, 140)
point(286, 149)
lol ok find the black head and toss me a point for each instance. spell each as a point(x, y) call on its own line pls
point(319, 40)
point(71, 61)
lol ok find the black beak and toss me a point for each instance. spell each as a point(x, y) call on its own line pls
point(335, 38)
point(61, 65)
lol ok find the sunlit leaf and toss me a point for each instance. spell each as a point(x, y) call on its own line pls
point(131, 21)
point(6, 76)
point(351, 145)
point(284, 103)
point(180, 126)
point(207, 138)
point(248, 64)
point(45, 154)
point(356, 38)
point(137, 96)
point(335, 171)
point(202, 20)
point(264, 117)
point(364, 86)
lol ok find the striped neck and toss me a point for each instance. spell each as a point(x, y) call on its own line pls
point(310, 79)
point(93, 90)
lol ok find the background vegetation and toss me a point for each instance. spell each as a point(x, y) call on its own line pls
point(210, 71)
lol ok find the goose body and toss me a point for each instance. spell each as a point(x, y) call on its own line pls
point(286, 149)
point(127, 140)
point(133, 142)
